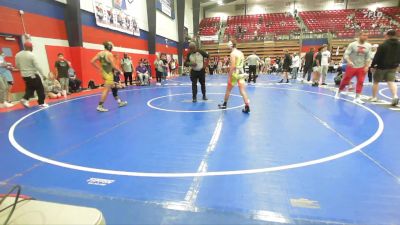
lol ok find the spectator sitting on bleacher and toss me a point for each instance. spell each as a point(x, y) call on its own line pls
point(74, 82)
point(142, 74)
point(52, 87)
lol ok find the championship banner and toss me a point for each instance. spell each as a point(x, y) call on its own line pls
point(167, 7)
point(116, 15)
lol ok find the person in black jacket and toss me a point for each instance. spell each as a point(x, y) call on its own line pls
point(308, 64)
point(195, 59)
point(385, 63)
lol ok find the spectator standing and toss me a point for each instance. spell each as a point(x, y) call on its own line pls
point(295, 65)
point(308, 64)
point(386, 61)
point(325, 60)
point(61, 72)
point(6, 82)
point(127, 69)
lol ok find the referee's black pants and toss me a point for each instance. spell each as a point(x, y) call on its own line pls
point(198, 76)
point(252, 73)
point(32, 84)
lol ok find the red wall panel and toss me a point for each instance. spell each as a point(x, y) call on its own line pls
point(36, 25)
point(80, 59)
point(166, 49)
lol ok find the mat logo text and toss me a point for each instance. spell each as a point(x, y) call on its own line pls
point(99, 181)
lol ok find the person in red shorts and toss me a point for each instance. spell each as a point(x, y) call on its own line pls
point(358, 57)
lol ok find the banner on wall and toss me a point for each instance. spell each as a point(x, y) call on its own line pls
point(116, 15)
point(167, 7)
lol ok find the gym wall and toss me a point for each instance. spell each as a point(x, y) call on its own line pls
point(44, 21)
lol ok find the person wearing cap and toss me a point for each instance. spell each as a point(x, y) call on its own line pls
point(32, 74)
point(236, 75)
point(358, 57)
point(195, 59)
point(373, 52)
point(107, 65)
point(386, 61)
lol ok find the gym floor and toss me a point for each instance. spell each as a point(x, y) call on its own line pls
point(300, 157)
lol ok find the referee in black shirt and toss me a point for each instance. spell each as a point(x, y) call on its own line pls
point(195, 59)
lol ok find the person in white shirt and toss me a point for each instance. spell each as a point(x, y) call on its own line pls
point(325, 60)
point(32, 74)
point(295, 65)
point(253, 61)
point(267, 65)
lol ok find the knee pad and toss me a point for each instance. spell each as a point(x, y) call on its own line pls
point(114, 91)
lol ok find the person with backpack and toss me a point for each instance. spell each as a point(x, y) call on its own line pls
point(287, 62)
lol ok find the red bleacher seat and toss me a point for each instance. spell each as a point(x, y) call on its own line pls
point(336, 20)
point(209, 26)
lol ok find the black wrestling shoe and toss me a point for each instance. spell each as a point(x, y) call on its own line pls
point(280, 82)
point(395, 101)
point(222, 106)
point(205, 98)
point(194, 100)
point(246, 109)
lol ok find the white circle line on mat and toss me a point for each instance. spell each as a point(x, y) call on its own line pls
point(347, 152)
point(149, 104)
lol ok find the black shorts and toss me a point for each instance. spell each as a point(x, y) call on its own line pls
point(286, 68)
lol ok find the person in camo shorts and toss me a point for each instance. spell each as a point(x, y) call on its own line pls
point(61, 71)
point(385, 63)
